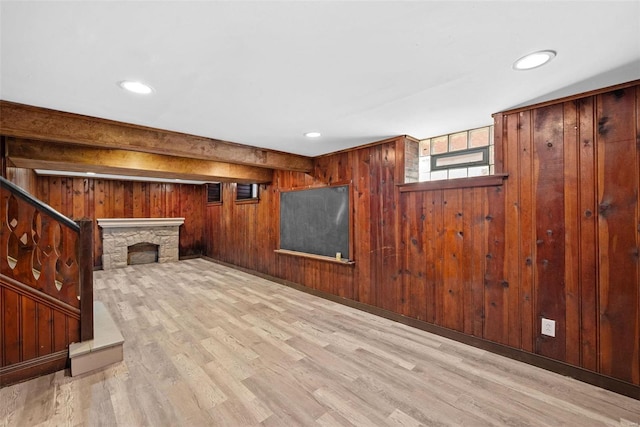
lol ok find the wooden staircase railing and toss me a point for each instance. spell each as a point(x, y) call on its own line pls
point(46, 285)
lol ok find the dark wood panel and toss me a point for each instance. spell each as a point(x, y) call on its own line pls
point(512, 258)
point(452, 275)
point(98, 198)
point(527, 254)
point(475, 248)
point(389, 270)
point(29, 331)
point(434, 244)
point(2, 322)
point(414, 299)
point(588, 215)
point(571, 233)
point(11, 326)
point(496, 291)
point(45, 330)
point(363, 223)
point(618, 234)
point(549, 219)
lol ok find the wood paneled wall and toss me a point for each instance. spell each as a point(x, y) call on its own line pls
point(247, 234)
point(560, 239)
point(572, 228)
point(80, 198)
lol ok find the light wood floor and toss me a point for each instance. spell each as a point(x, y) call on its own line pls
point(208, 345)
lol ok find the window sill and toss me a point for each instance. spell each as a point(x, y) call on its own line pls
point(214, 203)
point(247, 201)
point(446, 184)
point(313, 256)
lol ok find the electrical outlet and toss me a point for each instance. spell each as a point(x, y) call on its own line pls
point(548, 327)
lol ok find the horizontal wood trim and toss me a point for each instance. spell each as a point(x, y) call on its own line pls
point(39, 296)
point(24, 121)
point(447, 184)
point(313, 256)
point(599, 380)
point(45, 155)
point(33, 368)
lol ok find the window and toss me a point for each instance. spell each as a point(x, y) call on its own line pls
point(457, 155)
point(214, 193)
point(247, 191)
point(460, 159)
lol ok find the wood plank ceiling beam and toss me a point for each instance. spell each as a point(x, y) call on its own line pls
point(52, 156)
point(24, 121)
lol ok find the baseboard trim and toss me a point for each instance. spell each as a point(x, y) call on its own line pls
point(562, 368)
point(33, 368)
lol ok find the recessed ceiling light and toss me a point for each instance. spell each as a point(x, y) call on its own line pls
point(136, 87)
point(534, 60)
point(312, 134)
point(91, 173)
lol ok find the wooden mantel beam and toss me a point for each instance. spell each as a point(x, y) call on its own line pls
point(24, 121)
point(31, 154)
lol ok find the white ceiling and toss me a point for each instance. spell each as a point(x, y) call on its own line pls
point(263, 73)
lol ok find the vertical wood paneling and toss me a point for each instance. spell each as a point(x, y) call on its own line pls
point(496, 294)
point(389, 273)
point(362, 227)
point(2, 323)
point(96, 198)
point(45, 330)
point(549, 219)
point(23, 178)
point(78, 201)
point(11, 327)
point(374, 231)
point(618, 233)
point(510, 274)
point(571, 233)
point(414, 218)
point(588, 214)
point(29, 326)
point(474, 233)
point(453, 295)
point(100, 211)
point(118, 197)
point(60, 331)
point(434, 243)
point(637, 132)
point(527, 254)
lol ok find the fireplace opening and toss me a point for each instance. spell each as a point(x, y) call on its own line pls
point(142, 253)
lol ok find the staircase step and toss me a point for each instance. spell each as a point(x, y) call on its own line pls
point(104, 349)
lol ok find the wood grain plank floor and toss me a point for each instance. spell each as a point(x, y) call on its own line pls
point(207, 345)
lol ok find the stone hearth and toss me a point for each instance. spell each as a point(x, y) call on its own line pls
point(120, 233)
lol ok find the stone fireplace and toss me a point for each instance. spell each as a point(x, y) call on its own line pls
point(120, 234)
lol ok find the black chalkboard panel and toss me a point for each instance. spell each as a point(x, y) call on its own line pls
point(315, 221)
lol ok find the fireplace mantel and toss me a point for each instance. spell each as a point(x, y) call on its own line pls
point(120, 233)
point(139, 222)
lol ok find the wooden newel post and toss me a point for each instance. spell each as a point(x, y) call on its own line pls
point(85, 260)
